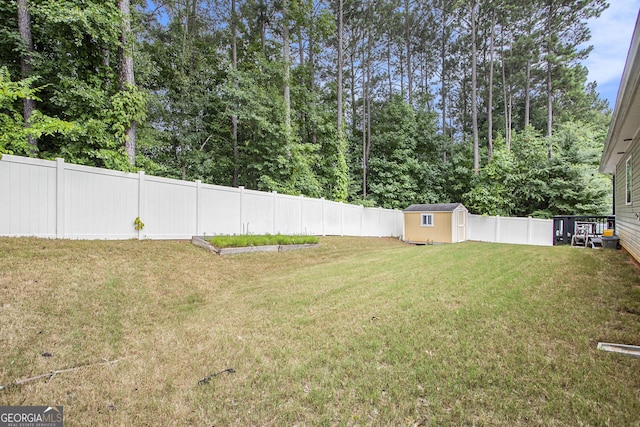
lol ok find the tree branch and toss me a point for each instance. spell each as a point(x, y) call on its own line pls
point(56, 372)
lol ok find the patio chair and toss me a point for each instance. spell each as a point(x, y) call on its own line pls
point(581, 236)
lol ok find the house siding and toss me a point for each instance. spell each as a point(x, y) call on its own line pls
point(627, 223)
point(439, 233)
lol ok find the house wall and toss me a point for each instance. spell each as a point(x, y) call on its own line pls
point(439, 233)
point(627, 223)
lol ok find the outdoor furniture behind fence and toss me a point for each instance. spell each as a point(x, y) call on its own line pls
point(580, 230)
point(587, 235)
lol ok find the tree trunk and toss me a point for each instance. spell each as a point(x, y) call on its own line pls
point(490, 100)
point(389, 75)
point(401, 64)
point(301, 46)
point(340, 65)
point(464, 110)
point(234, 117)
point(126, 74)
point(443, 87)
point(365, 147)
point(527, 94)
point(408, 41)
point(549, 106)
point(311, 60)
point(263, 26)
point(548, 77)
point(354, 107)
point(24, 27)
point(509, 119)
point(368, 99)
point(474, 90)
point(505, 96)
point(287, 66)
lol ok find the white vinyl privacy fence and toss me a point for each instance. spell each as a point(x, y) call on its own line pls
point(46, 198)
point(525, 231)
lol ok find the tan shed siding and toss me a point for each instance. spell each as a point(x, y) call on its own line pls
point(439, 233)
point(627, 223)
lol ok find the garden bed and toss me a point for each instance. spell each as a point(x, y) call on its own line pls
point(231, 245)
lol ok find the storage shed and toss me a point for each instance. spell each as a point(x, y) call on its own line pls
point(435, 223)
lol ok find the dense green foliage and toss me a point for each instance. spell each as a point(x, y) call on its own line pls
point(15, 133)
point(245, 93)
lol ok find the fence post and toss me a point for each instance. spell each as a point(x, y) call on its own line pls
point(198, 215)
point(497, 229)
point(322, 201)
point(241, 216)
point(59, 198)
point(529, 230)
point(275, 210)
point(141, 201)
point(301, 220)
point(341, 219)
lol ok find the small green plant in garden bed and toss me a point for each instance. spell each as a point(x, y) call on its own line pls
point(244, 240)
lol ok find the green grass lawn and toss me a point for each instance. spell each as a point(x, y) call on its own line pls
point(357, 332)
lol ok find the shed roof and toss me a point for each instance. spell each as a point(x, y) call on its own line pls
point(437, 207)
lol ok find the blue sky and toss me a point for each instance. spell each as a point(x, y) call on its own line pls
point(611, 36)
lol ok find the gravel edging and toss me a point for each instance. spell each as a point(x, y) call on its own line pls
point(201, 242)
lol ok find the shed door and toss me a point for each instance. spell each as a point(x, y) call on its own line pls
point(462, 226)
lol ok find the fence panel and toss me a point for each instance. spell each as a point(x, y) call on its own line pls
point(27, 197)
point(168, 208)
point(332, 218)
point(525, 231)
point(391, 223)
point(53, 199)
point(351, 220)
point(371, 222)
point(219, 210)
point(541, 232)
point(287, 215)
point(312, 216)
point(482, 228)
point(99, 203)
point(257, 212)
point(514, 230)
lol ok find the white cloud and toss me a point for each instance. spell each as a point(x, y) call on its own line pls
point(611, 36)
